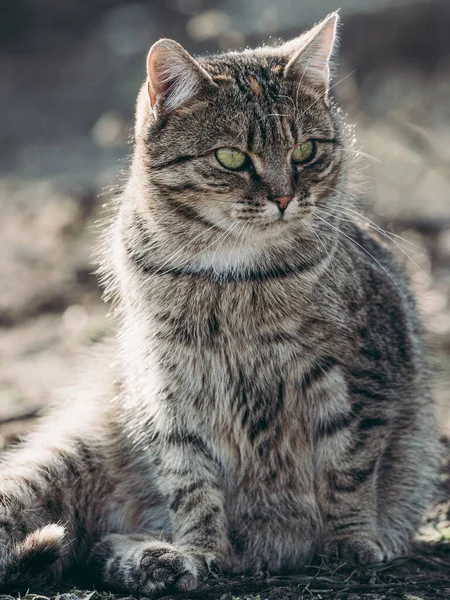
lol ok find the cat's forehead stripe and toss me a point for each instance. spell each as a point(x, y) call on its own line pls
point(222, 77)
point(254, 86)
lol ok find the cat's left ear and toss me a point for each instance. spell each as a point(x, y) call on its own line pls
point(174, 77)
point(310, 54)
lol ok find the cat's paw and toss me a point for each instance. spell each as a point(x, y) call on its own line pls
point(160, 565)
point(358, 549)
point(27, 559)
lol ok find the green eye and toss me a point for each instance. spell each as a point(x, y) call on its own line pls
point(231, 158)
point(304, 152)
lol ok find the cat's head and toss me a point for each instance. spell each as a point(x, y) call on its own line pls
point(239, 142)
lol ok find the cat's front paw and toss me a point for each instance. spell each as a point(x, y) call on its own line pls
point(161, 565)
point(358, 549)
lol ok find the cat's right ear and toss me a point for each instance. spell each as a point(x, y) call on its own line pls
point(174, 77)
point(310, 54)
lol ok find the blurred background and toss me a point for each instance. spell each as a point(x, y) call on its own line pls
point(69, 74)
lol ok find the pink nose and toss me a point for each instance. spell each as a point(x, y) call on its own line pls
point(282, 201)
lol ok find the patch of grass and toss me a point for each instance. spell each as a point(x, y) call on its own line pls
point(421, 576)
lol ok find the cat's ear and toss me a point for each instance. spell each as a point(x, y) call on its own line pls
point(309, 55)
point(174, 77)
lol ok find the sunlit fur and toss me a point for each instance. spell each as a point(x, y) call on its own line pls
point(268, 397)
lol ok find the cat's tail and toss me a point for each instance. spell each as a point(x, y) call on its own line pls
point(28, 561)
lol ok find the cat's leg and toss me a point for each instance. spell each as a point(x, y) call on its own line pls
point(190, 481)
point(350, 519)
point(350, 458)
point(408, 477)
point(377, 480)
point(195, 494)
point(49, 493)
point(142, 564)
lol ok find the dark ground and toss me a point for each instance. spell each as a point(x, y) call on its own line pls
point(70, 72)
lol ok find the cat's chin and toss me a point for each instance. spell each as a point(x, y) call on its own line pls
point(266, 230)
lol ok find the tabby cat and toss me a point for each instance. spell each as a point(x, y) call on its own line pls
point(267, 399)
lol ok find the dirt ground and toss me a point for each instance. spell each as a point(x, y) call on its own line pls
point(65, 120)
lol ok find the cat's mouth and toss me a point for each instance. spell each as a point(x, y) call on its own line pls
point(269, 215)
point(284, 218)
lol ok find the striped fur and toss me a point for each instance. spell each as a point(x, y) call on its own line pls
point(267, 398)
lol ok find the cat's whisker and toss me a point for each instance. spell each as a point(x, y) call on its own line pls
point(237, 118)
point(377, 229)
point(360, 152)
point(316, 236)
point(287, 98)
point(326, 250)
point(372, 225)
point(390, 233)
point(236, 115)
point(351, 201)
point(366, 251)
point(366, 219)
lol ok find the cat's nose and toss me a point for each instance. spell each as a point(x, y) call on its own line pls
point(282, 201)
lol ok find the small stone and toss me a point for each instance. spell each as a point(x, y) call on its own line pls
point(68, 596)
